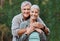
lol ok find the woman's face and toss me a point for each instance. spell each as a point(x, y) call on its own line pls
point(34, 13)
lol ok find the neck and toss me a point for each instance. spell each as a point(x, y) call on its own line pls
point(32, 20)
point(26, 18)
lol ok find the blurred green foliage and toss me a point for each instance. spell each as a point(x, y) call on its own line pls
point(49, 12)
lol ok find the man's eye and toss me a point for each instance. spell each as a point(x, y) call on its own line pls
point(24, 9)
point(28, 9)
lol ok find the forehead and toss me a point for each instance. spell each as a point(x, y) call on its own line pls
point(34, 9)
point(26, 6)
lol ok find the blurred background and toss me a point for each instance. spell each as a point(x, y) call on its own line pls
point(50, 14)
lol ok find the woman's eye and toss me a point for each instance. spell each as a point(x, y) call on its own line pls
point(36, 12)
point(32, 11)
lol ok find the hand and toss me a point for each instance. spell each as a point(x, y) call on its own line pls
point(29, 30)
point(38, 25)
point(47, 31)
point(39, 30)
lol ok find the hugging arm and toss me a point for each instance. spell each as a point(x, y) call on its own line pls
point(45, 29)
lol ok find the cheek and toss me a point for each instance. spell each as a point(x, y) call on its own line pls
point(23, 11)
point(36, 14)
point(28, 12)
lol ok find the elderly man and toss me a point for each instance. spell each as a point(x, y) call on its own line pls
point(24, 16)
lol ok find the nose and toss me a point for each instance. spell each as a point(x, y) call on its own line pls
point(26, 10)
point(34, 13)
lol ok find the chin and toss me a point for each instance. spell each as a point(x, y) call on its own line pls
point(26, 15)
point(34, 19)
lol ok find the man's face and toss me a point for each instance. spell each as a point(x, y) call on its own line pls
point(26, 11)
point(34, 13)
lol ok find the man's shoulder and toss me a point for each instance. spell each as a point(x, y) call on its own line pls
point(17, 16)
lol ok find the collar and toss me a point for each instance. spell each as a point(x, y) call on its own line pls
point(22, 19)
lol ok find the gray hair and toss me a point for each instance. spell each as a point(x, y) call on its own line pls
point(35, 6)
point(25, 3)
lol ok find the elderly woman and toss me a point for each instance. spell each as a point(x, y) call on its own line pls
point(38, 31)
point(41, 28)
point(34, 14)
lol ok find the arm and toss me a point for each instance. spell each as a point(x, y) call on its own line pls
point(16, 31)
point(46, 30)
point(21, 31)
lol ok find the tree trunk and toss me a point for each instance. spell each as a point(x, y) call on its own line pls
point(2, 36)
point(2, 3)
point(10, 2)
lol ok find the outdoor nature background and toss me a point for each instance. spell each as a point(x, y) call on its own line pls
point(50, 13)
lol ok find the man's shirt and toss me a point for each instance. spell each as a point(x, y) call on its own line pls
point(17, 20)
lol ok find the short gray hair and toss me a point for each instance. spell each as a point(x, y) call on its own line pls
point(35, 6)
point(25, 3)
